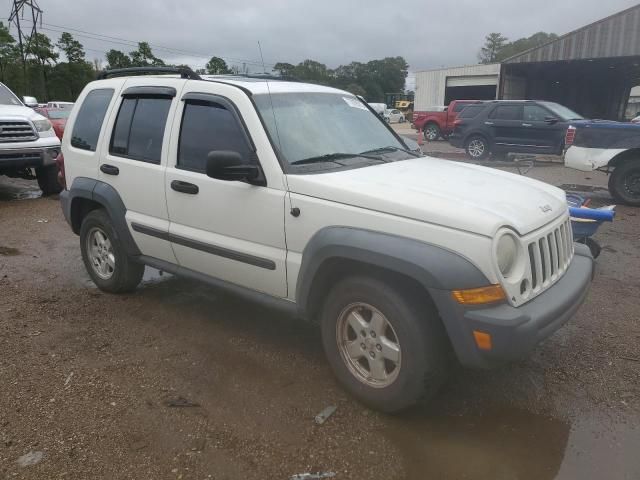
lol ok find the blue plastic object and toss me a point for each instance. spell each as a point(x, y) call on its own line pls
point(584, 229)
point(592, 214)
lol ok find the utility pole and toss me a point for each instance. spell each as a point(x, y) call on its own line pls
point(18, 12)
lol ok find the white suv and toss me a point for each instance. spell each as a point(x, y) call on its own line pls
point(301, 197)
point(27, 143)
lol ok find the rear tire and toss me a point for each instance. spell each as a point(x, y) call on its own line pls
point(48, 180)
point(477, 148)
point(387, 348)
point(105, 259)
point(624, 183)
point(431, 132)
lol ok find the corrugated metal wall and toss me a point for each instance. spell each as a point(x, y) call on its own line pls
point(614, 36)
point(431, 84)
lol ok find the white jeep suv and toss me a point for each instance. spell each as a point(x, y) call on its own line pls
point(27, 143)
point(301, 197)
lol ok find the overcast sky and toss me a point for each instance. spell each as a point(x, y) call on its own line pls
point(428, 34)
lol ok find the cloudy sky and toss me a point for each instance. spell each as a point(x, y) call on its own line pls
point(428, 34)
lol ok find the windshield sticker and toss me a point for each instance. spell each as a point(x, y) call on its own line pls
point(354, 103)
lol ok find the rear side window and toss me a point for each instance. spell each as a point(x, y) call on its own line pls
point(471, 111)
point(460, 106)
point(86, 128)
point(206, 127)
point(507, 112)
point(139, 128)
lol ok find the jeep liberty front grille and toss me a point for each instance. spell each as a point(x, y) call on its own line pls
point(549, 255)
point(16, 131)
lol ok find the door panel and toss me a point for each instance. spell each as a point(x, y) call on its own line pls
point(230, 230)
point(505, 122)
point(136, 166)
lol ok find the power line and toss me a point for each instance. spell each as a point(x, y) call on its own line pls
point(133, 43)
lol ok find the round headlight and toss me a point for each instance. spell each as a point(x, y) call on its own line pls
point(42, 125)
point(507, 254)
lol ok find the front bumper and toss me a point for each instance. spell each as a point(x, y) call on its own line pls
point(39, 153)
point(515, 331)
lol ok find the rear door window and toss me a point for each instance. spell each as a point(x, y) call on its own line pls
point(460, 106)
point(471, 111)
point(507, 112)
point(86, 128)
point(139, 128)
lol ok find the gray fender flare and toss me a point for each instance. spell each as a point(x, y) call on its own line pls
point(108, 197)
point(432, 266)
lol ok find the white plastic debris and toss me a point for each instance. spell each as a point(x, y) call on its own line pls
point(325, 414)
point(31, 458)
point(312, 476)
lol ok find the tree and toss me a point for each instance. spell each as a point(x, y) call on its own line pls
point(8, 52)
point(494, 42)
point(73, 49)
point(522, 44)
point(117, 59)
point(40, 49)
point(144, 57)
point(217, 66)
point(312, 71)
point(284, 69)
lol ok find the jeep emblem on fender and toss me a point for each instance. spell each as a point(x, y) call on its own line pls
point(545, 208)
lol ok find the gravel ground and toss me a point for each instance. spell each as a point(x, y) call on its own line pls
point(180, 381)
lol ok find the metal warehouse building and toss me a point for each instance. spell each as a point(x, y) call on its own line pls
point(591, 70)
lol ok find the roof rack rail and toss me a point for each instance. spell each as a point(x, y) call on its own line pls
point(263, 76)
point(185, 72)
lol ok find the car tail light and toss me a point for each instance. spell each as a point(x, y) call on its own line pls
point(570, 136)
point(457, 123)
point(62, 179)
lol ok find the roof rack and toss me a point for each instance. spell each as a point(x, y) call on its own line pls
point(185, 72)
point(259, 76)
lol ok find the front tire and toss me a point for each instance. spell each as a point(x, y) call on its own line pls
point(48, 180)
point(624, 183)
point(105, 259)
point(477, 148)
point(385, 347)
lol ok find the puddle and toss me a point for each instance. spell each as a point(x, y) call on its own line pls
point(20, 190)
point(505, 444)
point(9, 251)
point(513, 444)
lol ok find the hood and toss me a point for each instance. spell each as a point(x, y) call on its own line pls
point(457, 195)
point(14, 111)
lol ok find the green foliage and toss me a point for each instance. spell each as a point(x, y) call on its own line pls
point(522, 44)
point(9, 54)
point(217, 66)
point(144, 57)
point(370, 80)
point(73, 49)
point(493, 43)
point(117, 59)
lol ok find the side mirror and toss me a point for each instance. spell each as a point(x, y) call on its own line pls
point(550, 120)
point(228, 165)
point(30, 101)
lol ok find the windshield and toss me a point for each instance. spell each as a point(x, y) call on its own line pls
point(562, 112)
point(58, 114)
point(309, 125)
point(7, 97)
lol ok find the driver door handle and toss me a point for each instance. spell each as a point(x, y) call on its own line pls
point(527, 125)
point(488, 123)
point(184, 187)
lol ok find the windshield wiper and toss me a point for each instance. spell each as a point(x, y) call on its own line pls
point(332, 157)
point(394, 149)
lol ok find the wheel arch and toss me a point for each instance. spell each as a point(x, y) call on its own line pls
point(627, 155)
point(335, 252)
point(88, 194)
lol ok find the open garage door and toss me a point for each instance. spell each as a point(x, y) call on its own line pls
point(471, 87)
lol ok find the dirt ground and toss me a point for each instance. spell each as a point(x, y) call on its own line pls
point(179, 381)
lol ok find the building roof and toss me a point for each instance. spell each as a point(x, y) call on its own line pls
point(615, 36)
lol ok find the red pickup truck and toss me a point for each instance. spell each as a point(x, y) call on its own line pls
point(436, 124)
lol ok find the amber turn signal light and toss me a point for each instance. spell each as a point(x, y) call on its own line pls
point(483, 340)
point(479, 296)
